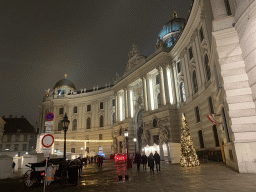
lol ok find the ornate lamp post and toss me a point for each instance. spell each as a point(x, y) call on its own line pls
point(65, 123)
point(134, 139)
point(127, 151)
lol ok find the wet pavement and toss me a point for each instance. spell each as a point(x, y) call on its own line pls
point(212, 176)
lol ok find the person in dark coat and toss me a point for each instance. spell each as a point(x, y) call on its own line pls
point(151, 163)
point(157, 160)
point(138, 160)
point(144, 160)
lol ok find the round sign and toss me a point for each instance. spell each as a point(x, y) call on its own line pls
point(49, 116)
point(47, 140)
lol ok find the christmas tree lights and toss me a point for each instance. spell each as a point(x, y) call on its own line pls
point(189, 157)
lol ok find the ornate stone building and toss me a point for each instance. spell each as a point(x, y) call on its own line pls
point(202, 66)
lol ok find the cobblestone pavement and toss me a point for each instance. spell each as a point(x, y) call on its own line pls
point(212, 176)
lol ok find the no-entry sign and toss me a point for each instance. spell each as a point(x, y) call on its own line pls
point(47, 140)
point(49, 116)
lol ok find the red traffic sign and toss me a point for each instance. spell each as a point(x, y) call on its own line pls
point(49, 116)
point(47, 140)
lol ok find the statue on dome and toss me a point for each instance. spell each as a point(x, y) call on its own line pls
point(159, 43)
point(47, 92)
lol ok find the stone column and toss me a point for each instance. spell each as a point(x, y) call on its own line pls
point(126, 102)
point(166, 87)
point(116, 108)
point(162, 93)
point(218, 9)
point(145, 93)
point(173, 85)
point(129, 102)
point(184, 72)
point(148, 91)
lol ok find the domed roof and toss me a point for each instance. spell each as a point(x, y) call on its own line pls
point(172, 26)
point(64, 82)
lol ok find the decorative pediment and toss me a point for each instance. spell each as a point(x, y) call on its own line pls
point(134, 58)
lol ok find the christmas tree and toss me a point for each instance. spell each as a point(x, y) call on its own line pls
point(189, 157)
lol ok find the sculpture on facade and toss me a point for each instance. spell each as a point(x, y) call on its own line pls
point(146, 138)
point(159, 43)
point(164, 135)
point(47, 92)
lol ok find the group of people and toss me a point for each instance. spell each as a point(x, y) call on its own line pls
point(151, 160)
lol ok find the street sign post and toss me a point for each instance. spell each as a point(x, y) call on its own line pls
point(47, 140)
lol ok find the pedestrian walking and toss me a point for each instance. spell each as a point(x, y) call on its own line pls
point(138, 160)
point(100, 161)
point(151, 163)
point(144, 160)
point(13, 166)
point(157, 160)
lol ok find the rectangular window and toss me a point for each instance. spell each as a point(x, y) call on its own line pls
point(16, 147)
point(190, 53)
point(24, 147)
point(25, 138)
point(211, 105)
point(113, 102)
point(75, 110)
point(197, 114)
point(100, 136)
point(73, 150)
point(101, 105)
point(201, 34)
point(157, 79)
point(61, 110)
point(8, 147)
point(88, 108)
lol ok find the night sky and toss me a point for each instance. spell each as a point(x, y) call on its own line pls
point(89, 40)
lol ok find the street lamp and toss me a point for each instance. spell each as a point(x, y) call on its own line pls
point(65, 123)
point(134, 139)
point(127, 151)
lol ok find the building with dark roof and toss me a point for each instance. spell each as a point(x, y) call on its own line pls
point(19, 136)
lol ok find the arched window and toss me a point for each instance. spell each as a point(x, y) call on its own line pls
point(59, 126)
point(159, 100)
point(182, 92)
point(74, 125)
point(195, 82)
point(101, 121)
point(207, 68)
point(216, 137)
point(88, 123)
point(201, 139)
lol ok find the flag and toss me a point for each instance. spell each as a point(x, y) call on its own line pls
point(212, 119)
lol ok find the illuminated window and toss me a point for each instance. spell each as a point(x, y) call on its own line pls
point(88, 123)
point(195, 82)
point(74, 125)
point(207, 68)
point(101, 121)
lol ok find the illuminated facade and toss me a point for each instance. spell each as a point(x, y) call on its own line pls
point(202, 66)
